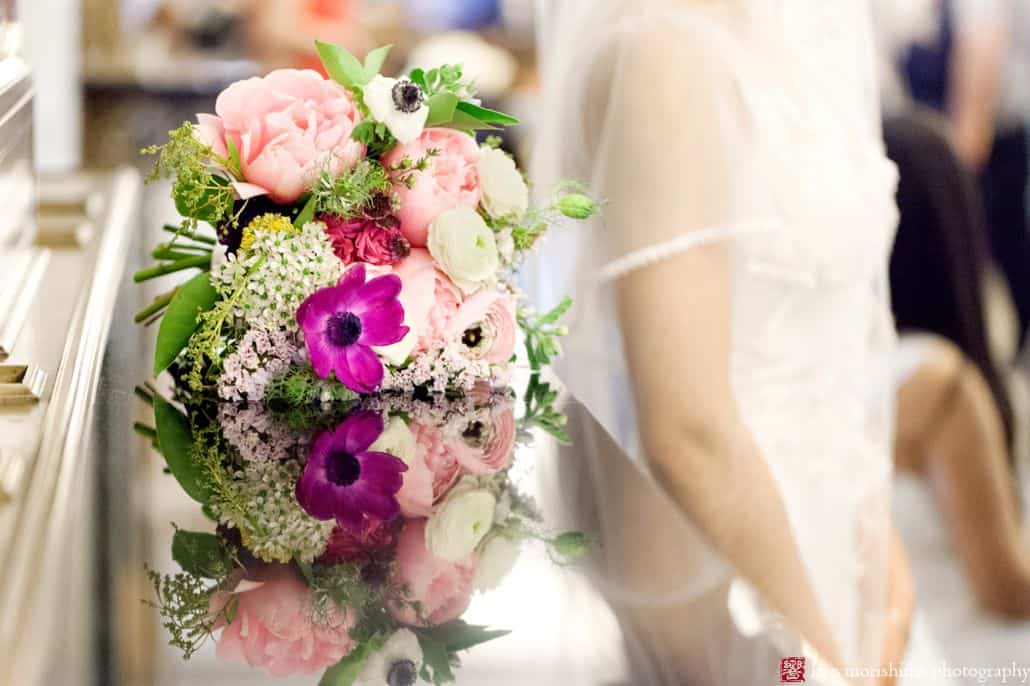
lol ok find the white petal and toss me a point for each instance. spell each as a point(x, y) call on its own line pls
point(378, 96)
point(406, 126)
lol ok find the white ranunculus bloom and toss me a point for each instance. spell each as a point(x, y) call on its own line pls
point(462, 521)
point(398, 103)
point(464, 247)
point(397, 440)
point(505, 245)
point(397, 662)
point(504, 189)
point(496, 560)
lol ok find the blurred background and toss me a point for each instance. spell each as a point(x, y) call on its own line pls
point(114, 76)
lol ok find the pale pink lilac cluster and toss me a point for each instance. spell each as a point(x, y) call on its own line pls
point(257, 434)
point(262, 355)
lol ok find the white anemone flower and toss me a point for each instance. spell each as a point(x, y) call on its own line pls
point(397, 663)
point(398, 103)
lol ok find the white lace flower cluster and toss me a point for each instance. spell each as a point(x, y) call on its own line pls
point(261, 356)
point(440, 369)
point(280, 269)
point(276, 527)
point(257, 434)
point(438, 410)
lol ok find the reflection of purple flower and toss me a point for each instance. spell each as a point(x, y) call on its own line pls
point(341, 322)
point(343, 479)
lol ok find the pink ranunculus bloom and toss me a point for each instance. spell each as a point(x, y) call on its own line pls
point(346, 545)
point(430, 475)
point(450, 181)
point(273, 627)
point(429, 297)
point(365, 240)
point(483, 442)
point(285, 126)
point(442, 589)
point(485, 326)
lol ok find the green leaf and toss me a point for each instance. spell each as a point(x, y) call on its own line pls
point(486, 115)
point(175, 439)
point(234, 157)
point(374, 61)
point(365, 132)
point(559, 309)
point(436, 658)
point(231, 608)
point(466, 122)
point(307, 213)
point(205, 209)
point(460, 635)
point(346, 671)
point(200, 554)
point(441, 108)
point(342, 66)
point(180, 320)
point(419, 77)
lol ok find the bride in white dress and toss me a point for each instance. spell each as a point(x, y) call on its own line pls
point(731, 326)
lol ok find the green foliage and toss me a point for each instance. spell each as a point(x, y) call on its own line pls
point(343, 586)
point(301, 396)
point(459, 635)
point(376, 137)
point(175, 438)
point(437, 665)
point(441, 108)
point(307, 213)
point(183, 601)
point(346, 671)
point(541, 412)
point(569, 547)
point(199, 193)
point(202, 554)
point(180, 321)
point(542, 333)
point(345, 69)
point(347, 194)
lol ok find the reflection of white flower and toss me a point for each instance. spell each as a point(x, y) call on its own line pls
point(464, 247)
point(495, 562)
point(504, 189)
point(397, 662)
point(465, 517)
point(398, 103)
point(397, 440)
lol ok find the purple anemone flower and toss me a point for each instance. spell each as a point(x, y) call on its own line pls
point(344, 480)
point(342, 322)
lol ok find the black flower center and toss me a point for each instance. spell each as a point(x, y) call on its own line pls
point(407, 96)
point(342, 468)
point(400, 247)
point(475, 434)
point(344, 329)
point(472, 337)
point(402, 673)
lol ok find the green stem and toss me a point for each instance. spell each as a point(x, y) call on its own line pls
point(164, 250)
point(159, 303)
point(143, 393)
point(178, 230)
point(200, 261)
point(145, 431)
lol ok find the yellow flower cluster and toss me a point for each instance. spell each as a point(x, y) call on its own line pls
point(265, 223)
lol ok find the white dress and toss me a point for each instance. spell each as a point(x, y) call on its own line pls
point(754, 122)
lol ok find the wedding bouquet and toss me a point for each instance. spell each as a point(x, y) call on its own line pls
point(362, 235)
point(340, 365)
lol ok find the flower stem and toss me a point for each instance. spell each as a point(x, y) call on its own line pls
point(159, 303)
point(179, 231)
point(199, 261)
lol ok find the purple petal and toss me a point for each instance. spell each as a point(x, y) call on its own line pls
point(323, 354)
point(351, 282)
point(376, 293)
point(316, 496)
point(383, 469)
point(374, 503)
point(383, 325)
point(350, 517)
point(359, 368)
point(358, 431)
point(318, 307)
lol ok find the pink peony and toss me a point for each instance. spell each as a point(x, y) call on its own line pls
point(442, 589)
point(451, 180)
point(430, 475)
point(483, 442)
point(485, 325)
point(429, 297)
point(284, 126)
point(273, 627)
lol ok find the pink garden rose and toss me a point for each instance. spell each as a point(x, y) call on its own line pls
point(485, 325)
point(443, 589)
point(365, 240)
point(482, 443)
point(346, 545)
point(429, 297)
point(285, 126)
point(452, 180)
point(430, 475)
point(273, 628)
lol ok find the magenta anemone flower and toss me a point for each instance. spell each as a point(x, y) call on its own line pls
point(344, 480)
point(342, 322)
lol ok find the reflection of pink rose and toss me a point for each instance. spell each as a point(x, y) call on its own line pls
point(485, 325)
point(284, 126)
point(273, 627)
point(442, 589)
point(430, 299)
point(483, 442)
point(430, 475)
point(450, 181)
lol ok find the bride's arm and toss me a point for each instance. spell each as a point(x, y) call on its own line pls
point(675, 316)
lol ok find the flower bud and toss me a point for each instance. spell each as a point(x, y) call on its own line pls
point(577, 206)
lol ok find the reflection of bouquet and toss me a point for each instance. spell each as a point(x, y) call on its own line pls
point(362, 235)
point(353, 544)
point(340, 364)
